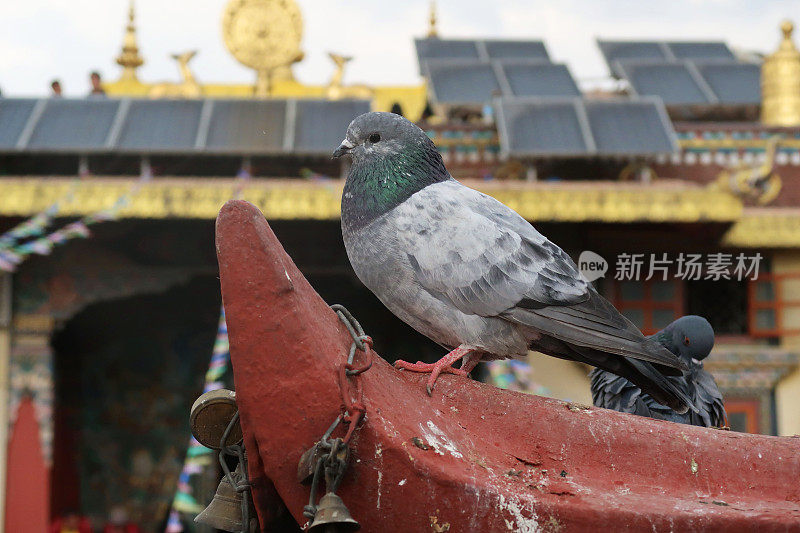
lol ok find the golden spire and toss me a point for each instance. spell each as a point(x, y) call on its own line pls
point(432, 31)
point(780, 83)
point(129, 59)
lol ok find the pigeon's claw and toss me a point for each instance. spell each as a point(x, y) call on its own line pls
point(426, 368)
point(442, 366)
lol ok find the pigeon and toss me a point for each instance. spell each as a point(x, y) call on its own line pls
point(470, 273)
point(690, 338)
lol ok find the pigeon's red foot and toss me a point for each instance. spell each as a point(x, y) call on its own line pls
point(442, 366)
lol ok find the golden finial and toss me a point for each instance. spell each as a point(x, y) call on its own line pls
point(129, 59)
point(780, 83)
point(432, 31)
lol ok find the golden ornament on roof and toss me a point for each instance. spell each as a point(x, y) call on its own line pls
point(780, 83)
point(432, 31)
point(264, 35)
point(130, 59)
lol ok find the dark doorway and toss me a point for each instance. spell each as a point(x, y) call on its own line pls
point(127, 372)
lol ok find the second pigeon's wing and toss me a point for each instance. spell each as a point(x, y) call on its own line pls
point(617, 393)
point(480, 256)
point(614, 392)
point(708, 400)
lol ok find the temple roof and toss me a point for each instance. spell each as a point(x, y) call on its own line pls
point(183, 127)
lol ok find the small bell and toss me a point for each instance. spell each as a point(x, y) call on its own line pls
point(225, 510)
point(332, 516)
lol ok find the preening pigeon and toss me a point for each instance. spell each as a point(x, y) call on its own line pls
point(690, 338)
point(470, 273)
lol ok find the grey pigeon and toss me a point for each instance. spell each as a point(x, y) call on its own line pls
point(470, 273)
point(691, 338)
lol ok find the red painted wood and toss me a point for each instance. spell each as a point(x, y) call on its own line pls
point(27, 484)
point(499, 460)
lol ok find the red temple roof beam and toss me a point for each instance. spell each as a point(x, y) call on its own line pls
point(472, 457)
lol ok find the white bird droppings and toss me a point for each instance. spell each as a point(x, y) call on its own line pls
point(519, 522)
point(437, 440)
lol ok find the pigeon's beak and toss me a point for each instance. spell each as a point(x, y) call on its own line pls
point(344, 148)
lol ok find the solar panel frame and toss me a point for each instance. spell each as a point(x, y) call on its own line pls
point(666, 85)
point(246, 127)
point(14, 116)
point(571, 123)
point(618, 135)
point(73, 125)
point(564, 84)
point(316, 127)
point(441, 74)
point(160, 126)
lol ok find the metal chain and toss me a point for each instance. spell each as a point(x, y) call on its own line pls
point(239, 481)
point(333, 463)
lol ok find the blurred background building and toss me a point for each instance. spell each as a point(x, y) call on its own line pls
point(106, 324)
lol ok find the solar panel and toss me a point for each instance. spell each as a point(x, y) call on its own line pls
point(629, 127)
point(701, 50)
point(733, 83)
point(626, 50)
point(161, 125)
point(320, 125)
point(673, 82)
point(662, 52)
point(530, 127)
point(74, 124)
point(461, 82)
point(539, 79)
point(433, 48)
point(14, 114)
point(246, 126)
point(517, 50)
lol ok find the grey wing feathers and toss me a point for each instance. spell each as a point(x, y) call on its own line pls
point(486, 258)
point(476, 254)
point(596, 324)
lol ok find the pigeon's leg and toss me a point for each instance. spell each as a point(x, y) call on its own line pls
point(470, 361)
point(442, 366)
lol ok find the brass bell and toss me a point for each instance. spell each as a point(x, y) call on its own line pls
point(210, 416)
point(332, 516)
point(225, 510)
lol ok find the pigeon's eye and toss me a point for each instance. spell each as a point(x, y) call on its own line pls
point(374, 137)
point(686, 341)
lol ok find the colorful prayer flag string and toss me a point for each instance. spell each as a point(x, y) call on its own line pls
point(220, 359)
point(197, 455)
point(36, 225)
point(13, 253)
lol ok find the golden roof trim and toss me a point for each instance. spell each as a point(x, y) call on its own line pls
point(285, 199)
point(773, 227)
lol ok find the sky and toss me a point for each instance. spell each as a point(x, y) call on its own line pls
point(41, 40)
